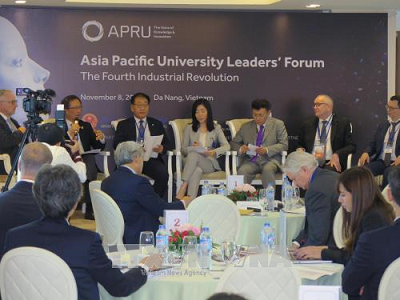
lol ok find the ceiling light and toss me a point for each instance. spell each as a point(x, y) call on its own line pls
point(313, 6)
point(20, 1)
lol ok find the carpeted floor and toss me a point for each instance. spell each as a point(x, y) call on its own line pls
point(78, 220)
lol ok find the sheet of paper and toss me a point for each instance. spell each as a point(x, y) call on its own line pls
point(94, 151)
point(198, 149)
point(252, 150)
point(151, 142)
point(314, 272)
point(248, 204)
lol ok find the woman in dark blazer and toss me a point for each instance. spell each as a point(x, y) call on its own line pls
point(364, 209)
point(202, 133)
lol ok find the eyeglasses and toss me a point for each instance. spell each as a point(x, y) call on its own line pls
point(141, 105)
point(13, 102)
point(75, 107)
point(391, 108)
point(318, 104)
point(260, 116)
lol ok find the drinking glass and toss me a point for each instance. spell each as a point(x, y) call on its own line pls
point(229, 251)
point(146, 242)
point(296, 195)
point(262, 199)
point(189, 244)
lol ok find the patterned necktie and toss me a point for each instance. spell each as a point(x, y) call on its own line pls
point(11, 125)
point(323, 136)
point(388, 156)
point(259, 140)
point(141, 131)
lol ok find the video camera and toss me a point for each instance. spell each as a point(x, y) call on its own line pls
point(38, 102)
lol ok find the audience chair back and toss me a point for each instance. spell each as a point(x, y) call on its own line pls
point(388, 287)
point(338, 228)
point(36, 274)
point(218, 213)
point(109, 220)
point(261, 282)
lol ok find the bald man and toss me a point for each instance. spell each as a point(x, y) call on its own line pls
point(17, 206)
point(10, 131)
point(327, 136)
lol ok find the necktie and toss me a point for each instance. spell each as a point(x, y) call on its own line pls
point(11, 125)
point(388, 156)
point(259, 140)
point(323, 136)
point(141, 131)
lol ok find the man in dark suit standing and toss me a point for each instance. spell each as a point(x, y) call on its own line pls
point(139, 128)
point(17, 206)
point(383, 152)
point(327, 136)
point(375, 251)
point(57, 190)
point(139, 204)
point(321, 199)
point(10, 131)
point(87, 138)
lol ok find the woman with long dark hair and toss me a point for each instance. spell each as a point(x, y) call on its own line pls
point(364, 209)
point(201, 133)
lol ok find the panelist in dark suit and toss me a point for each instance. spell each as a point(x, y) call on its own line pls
point(320, 198)
point(10, 131)
point(57, 190)
point(139, 204)
point(330, 130)
point(375, 251)
point(139, 128)
point(383, 152)
point(87, 138)
point(18, 206)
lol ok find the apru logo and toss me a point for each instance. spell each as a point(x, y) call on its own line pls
point(92, 38)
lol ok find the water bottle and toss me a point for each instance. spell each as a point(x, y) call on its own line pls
point(287, 194)
point(267, 237)
point(162, 239)
point(221, 190)
point(205, 189)
point(205, 248)
point(270, 197)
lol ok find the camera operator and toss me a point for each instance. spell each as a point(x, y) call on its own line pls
point(87, 138)
point(10, 131)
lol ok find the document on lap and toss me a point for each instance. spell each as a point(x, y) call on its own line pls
point(94, 151)
point(151, 142)
point(252, 150)
point(198, 149)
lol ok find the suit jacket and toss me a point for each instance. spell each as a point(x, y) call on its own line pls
point(139, 204)
point(9, 141)
point(373, 219)
point(82, 251)
point(375, 251)
point(126, 131)
point(321, 202)
point(89, 142)
point(341, 137)
point(275, 139)
point(215, 139)
point(375, 147)
point(17, 207)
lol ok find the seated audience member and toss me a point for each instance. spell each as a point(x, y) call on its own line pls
point(201, 133)
point(139, 203)
point(365, 209)
point(52, 136)
point(270, 137)
point(87, 139)
point(10, 131)
point(327, 135)
point(375, 251)
point(383, 152)
point(320, 198)
point(226, 296)
point(57, 190)
point(17, 206)
point(139, 128)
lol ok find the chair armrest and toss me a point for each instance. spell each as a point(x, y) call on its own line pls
point(227, 165)
point(284, 154)
point(234, 162)
point(105, 155)
point(178, 168)
point(349, 158)
point(7, 162)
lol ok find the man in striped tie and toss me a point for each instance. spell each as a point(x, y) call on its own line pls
point(10, 131)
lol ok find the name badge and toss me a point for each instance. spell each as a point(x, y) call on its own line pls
point(388, 149)
point(319, 151)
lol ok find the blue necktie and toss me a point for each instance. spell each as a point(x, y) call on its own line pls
point(141, 131)
point(323, 136)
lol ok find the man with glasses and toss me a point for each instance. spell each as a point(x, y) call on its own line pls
point(139, 128)
point(383, 152)
point(10, 131)
point(327, 136)
point(87, 139)
point(265, 135)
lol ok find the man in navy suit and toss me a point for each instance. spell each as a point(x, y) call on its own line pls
point(330, 131)
point(383, 152)
point(10, 131)
point(139, 128)
point(18, 206)
point(375, 251)
point(57, 190)
point(139, 204)
point(87, 138)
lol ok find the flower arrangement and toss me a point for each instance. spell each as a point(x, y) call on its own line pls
point(177, 235)
point(243, 193)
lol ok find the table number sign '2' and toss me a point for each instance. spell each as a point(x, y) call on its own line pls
point(174, 218)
